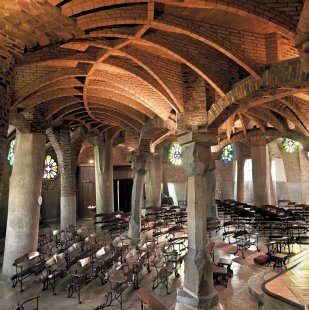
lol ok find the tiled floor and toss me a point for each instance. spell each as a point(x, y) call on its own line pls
point(293, 284)
point(235, 296)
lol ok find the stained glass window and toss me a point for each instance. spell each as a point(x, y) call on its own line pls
point(174, 154)
point(227, 153)
point(12, 152)
point(51, 168)
point(290, 145)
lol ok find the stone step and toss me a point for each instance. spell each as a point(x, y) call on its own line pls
point(256, 281)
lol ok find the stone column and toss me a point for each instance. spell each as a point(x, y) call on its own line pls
point(153, 185)
point(211, 208)
point(240, 172)
point(165, 189)
point(198, 290)
point(67, 146)
point(6, 73)
point(260, 171)
point(140, 166)
point(25, 188)
point(104, 188)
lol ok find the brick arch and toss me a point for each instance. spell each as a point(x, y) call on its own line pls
point(54, 107)
point(137, 96)
point(143, 79)
point(270, 134)
point(288, 114)
point(182, 54)
point(145, 60)
point(118, 115)
point(274, 84)
point(76, 107)
point(110, 94)
point(144, 73)
point(118, 107)
point(267, 116)
point(41, 82)
point(57, 56)
point(52, 95)
point(251, 8)
point(203, 33)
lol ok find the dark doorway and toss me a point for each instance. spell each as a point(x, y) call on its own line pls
point(123, 194)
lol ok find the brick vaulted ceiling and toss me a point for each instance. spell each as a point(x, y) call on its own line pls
point(112, 64)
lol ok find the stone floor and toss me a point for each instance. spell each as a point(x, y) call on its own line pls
point(235, 296)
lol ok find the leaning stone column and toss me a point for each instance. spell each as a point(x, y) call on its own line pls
point(25, 188)
point(67, 146)
point(198, 290)
point(104, 189)
point(260, 173)
point(140, 166)
point(153, 185)
point(240, 172)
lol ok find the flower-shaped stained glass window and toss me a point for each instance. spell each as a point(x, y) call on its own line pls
point(289, 145)
point(12, 152)
point(50, 169)
point(227, 154)
point(174, 154)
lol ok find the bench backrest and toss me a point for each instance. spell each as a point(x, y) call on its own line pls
point(150, 300)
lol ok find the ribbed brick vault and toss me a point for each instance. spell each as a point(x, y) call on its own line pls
point(110, 65)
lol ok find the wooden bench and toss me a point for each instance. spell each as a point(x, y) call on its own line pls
point(26, 265)
point(20, 306)
point(82, 273)
point(149, 300)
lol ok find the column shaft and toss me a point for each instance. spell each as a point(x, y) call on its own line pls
point(25, 188)
point(103, 155)
point(198, 290)
point(240, 173)
point(260, 174)
point(211, 209)
point(140, 165)
point(68, 197)
point(153, 185)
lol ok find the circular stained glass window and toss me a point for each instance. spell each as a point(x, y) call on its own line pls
point(51, 168)
point(12, 152)
point(174, 154)
point(227, 153)
point(289, 145)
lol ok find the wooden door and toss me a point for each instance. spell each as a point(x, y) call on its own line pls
point(86, 191)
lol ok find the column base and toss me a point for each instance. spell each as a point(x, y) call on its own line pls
point(188, 301)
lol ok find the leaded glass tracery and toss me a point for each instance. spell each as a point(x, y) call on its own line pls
point(227, 154)
point(289, 145)
point(12, 152)
point(50, 169)
point(174, 154)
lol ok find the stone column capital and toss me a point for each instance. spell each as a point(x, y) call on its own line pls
point(257, 139)
point(140, 162)
point(196, 158)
